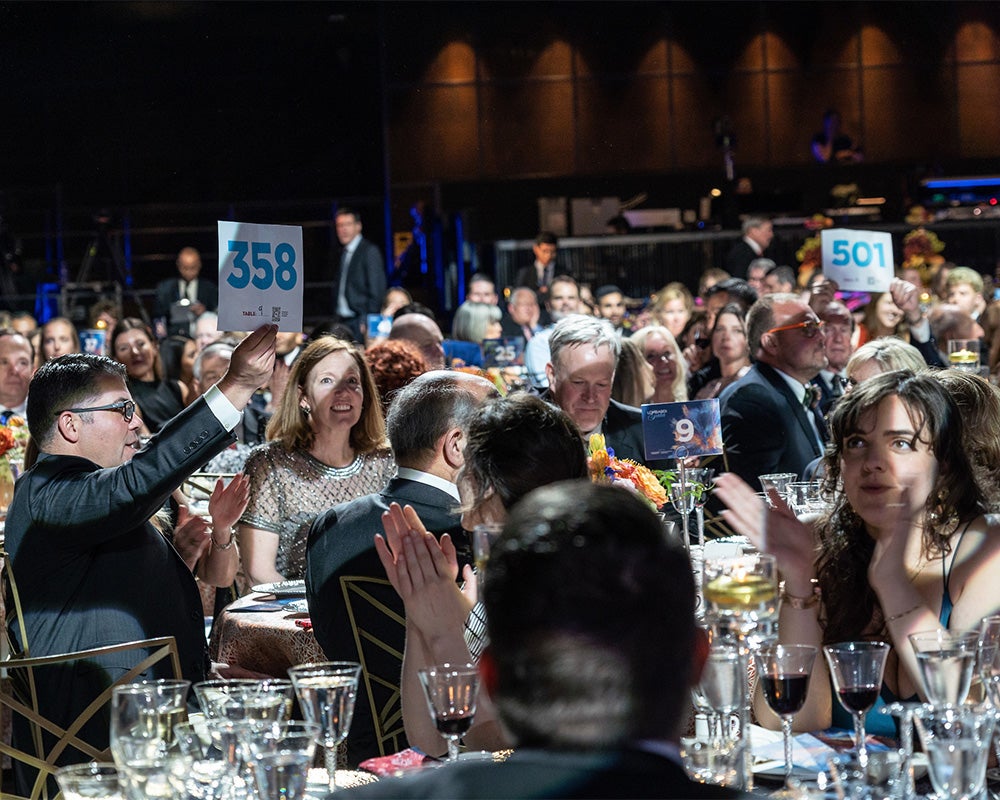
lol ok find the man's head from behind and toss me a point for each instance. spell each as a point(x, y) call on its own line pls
point(432, 406)
point(424, 333)
point(583, 357)
point(589, 608)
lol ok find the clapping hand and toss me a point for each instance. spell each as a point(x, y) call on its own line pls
point(227, 503)
point(191, 537)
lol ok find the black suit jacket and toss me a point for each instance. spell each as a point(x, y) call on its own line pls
point(738, 259)
point(764, 427)
point(550, 774)
point(341, 543)
point(366, 281)
point(92, 571)
point(168, 292)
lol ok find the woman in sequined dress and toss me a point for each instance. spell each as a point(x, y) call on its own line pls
point(326, 445)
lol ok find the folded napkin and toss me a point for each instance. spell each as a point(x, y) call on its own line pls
point(809, 751)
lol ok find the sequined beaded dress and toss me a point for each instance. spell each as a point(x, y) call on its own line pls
point(289, 489)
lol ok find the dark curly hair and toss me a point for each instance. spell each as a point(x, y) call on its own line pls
point(394, 363)
point(846, 548)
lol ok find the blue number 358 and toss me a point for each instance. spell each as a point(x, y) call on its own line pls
point(262, 274)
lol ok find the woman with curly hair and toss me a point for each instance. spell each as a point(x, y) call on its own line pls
point(326, 445)
point(906, 545)
point(394, 363)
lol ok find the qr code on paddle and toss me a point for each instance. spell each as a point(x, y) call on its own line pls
point(275, 314)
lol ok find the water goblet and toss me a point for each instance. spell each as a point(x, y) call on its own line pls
point(327, 691)
point(988, 657)
point(211, 773)
point(946, 660)
point(721, 686)
point(143, 716)
point(280, 755)
point(857, 669)
point(86, 781)
point(779, 481)
point(956, 740)
point(783, 671)
point(243, 698)
point(451, 691)
point(804, 497)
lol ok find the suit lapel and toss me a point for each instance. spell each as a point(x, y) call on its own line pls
point(798, 410)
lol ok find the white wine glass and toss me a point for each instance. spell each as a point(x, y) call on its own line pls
point(452, 691)
point(327, 691)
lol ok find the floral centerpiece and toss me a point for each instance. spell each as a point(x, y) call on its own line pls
point(810, 257)
point(922, 251)
point(13, 440)
point(606, 467)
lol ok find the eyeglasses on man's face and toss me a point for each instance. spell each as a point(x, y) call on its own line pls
point(124, 407)
point(810, 328)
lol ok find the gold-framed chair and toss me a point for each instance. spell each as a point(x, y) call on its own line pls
point(379, 630)
point(19, 696)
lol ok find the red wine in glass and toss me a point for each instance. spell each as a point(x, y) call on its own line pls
point(785, 694)
point(453, 726)
point(858, 699)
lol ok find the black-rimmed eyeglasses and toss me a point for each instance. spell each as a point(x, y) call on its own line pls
point(124, 407)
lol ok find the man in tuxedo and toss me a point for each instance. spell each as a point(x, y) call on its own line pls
point(539, 274)
point(770, 417)
point(838, 327)
point(593, 650)
point(182, 300)
point(359, 281)
point(90, 567)
point(425, 431)
point(757, 235)
point(583, 354)
point(17, 359)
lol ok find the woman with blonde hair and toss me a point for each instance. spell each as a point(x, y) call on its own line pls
point(633, 384)
point(326, 445)
point(882, 355)
point(661, 351)
point(672, 308)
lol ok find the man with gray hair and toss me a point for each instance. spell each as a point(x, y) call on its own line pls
point(757, 235)
point(584, 355)
point(425, 427)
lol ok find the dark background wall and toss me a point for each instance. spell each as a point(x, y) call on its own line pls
point(484, 106)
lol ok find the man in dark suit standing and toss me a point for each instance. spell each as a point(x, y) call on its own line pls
point(90, 567)
point(359, 281)
point(757, 235)
point(593, 649)
point(182, 300)
point(539, 274)
point(425, 430)
point(771, 420)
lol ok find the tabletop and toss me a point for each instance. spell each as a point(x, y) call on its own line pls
point(264, 641)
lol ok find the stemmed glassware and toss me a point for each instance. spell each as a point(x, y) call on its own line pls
point(245, 698)
point(779, 481)
point(946, 660)
point(956, 740)
point(721, 686)
point(857, 669)
point(451, 692)
point(783, 671)
point(327, 691)
point(689, 492)
point(281, 754)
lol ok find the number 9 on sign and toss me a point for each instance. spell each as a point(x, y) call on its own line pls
point(260, 271)
point(683, 431)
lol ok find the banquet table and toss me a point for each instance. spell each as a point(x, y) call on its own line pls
point(268, 642)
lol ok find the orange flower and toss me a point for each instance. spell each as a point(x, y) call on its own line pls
point(7, 440)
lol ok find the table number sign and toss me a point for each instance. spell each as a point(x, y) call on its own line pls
point(860, 261)
point(260, 276)
point(682, 430)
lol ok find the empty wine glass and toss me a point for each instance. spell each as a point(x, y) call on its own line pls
point(326, 692)
point(244, 698)
point(857, 669)
point(143, 716)
point(83, 781)
point(783, 671)
point(451, 692)
point(281, 754)
point(946, 660)
point(779, 481)
point(701, 484)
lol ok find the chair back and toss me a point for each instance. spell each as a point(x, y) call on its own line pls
point(378, 627)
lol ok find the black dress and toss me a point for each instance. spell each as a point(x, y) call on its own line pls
point(158, 401)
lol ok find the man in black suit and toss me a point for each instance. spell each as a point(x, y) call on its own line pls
point(359, 281)
point(539, 274)
point(757, 235)
point(770, 417)
point(425, 430)
point(90, 567)
point(182, 300)
point(583, 354)
point(593, 649)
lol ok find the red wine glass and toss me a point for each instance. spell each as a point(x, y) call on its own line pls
point(857, 669)
point(784, 671)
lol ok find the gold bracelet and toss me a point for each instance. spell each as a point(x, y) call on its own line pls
point(225, 546)
point(906, 613)
point(802, 603)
